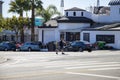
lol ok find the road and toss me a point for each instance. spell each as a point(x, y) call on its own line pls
point(97, 65)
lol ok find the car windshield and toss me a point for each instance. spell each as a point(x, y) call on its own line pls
point(73, 43)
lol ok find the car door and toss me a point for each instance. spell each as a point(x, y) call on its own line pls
point(75, 46)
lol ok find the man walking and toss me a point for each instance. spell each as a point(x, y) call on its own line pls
point(61, 44)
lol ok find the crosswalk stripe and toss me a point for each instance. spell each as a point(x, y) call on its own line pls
point(69, 64)
point(108, 68)
point(82, 64)
point(94, 75)
point(95, 66)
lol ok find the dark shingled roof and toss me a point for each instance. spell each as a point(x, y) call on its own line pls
point(114, 2)
point(108, 27)
point(75, 20)
point(75, 9)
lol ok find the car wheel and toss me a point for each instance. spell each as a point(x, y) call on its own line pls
point(89, 50)
point(66, 49)
point(81, 49)
point(29, 49)
point(6, 49)
point(96, 47)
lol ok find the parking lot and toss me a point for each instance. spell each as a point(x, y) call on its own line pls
point(95, 65)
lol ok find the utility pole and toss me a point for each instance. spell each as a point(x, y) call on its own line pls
point(62, 7)
point(98, 3)
point(33, 20)
point(1, 2)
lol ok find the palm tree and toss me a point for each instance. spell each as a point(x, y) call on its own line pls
point(2, 23)
point(47, 13)
point(19, 6)
point(36, 4)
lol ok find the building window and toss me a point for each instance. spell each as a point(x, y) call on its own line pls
point(82, 14)
point(62, 35)
point(86, 37)
point(66, 13)
point(74, 13)
point(106, 38)
point(72, 36)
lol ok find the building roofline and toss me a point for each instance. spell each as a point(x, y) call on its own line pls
point(114, 2)
point(75, 9)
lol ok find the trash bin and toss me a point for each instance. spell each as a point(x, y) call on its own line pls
point(51, 46)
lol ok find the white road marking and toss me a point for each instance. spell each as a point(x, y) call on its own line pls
point(83, 64)
point(69, 64)
point(94, 75)
point(95, 66)
point(108, 68)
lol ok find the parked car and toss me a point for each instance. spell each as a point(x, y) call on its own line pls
point(5, 46)
point(39, 43)
point(78, 46)
point(101, 45)
point(30, 46)
point(18, 45)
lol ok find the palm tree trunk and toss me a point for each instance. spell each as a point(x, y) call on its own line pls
point(22, 30)
point(22, 35)
point(33, 20)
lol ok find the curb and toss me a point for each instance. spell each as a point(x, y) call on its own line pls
point(2, 60)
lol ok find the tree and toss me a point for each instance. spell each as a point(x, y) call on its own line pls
point(19, 6)
point(2, 23)
point(22, 23)
point(36, 4)
point(47, 13)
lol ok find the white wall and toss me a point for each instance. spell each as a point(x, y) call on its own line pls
point(64, 26)
point(94, 33)
point(40, 35)
point(115, 13)
point(50, 34)
point(101, 18)
point(78, 14)
point(88, 14)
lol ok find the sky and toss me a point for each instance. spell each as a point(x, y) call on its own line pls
point(83, 4)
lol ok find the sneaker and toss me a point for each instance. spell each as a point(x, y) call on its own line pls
point(63, 53)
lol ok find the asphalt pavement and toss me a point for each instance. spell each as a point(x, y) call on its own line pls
point(96, 65)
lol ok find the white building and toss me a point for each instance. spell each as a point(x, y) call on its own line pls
point(79, 24)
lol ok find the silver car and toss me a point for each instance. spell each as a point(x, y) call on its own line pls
point(30, 46)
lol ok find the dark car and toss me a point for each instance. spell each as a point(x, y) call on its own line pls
point(30, 46)
point(5, 46)
point(78, 46)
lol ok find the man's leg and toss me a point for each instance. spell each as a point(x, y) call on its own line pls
point(62, 51)
point(56, 51)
